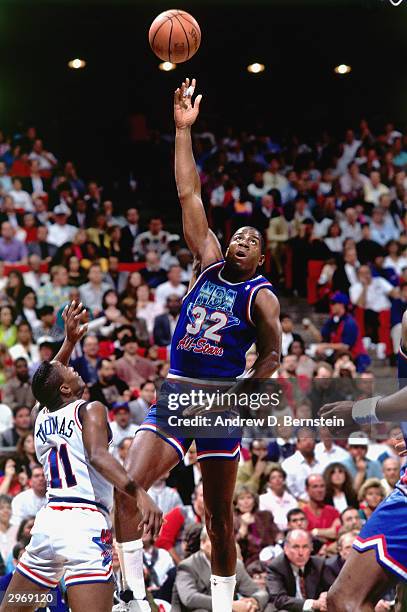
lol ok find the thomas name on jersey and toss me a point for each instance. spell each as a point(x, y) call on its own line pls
point(54, 425)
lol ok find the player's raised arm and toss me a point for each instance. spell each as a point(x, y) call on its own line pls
point(74, 330)
point(200, 241)
point(95, 440)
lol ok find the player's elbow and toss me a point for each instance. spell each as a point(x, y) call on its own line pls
point(185, 194)
point(97, 459)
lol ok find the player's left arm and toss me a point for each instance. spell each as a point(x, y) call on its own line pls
point(74, 330)
point(266, 316)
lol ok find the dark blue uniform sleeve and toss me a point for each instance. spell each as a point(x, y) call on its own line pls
point(350, 332)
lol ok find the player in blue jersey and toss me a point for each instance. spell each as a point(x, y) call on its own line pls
point(229, 307)
point(379, 558)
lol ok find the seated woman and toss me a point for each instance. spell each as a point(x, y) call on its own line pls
point(255, 529)
point(339, 487)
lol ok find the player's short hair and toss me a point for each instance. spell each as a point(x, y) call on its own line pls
point(46, 382)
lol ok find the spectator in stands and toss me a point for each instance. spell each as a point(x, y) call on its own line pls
point(351, 520)
point(288, 336)
point(358, 465)
point(129, 234)
point(374, 188)
point(29, 502)
point(302, 464)
point(159, 570)
point(98, 234)
point(173, 286)
point(121, 426)
point(164, 324)
point(61, 232)
point(76, 274)
point(323, 519)
point(254, 473)
point(192, 589)
point(5, 180)
point(327, 451)
point(372, 295)
point(86, 366)
point(255, 529)
point(123, 449)
point(46, 159)
point(48, 327)
point(295, 578)
point(153, 274)
point(140, 406)
point(56, 292)
point(147, 309)
point(21, 425)
point(339, 487)
point(277, 499)
point(92, 292)
point(11, 249)
point(14, 480)
point(25, 346)
point(109, 387)
point(367, 249)
point(273, 179)
point(346, 274)
point(334, 564)
point(114, 277)
point(8, 532)
point(26, 456)
point(8, 330)
point(17, 391)
point(34, 278)
point(132, 368)
point(22, 198)
point(350, 226)
point(35, 183)
point(370, 495)
point(154, 239)
point(177, 520)
point(341, 333)
point(15, 289)
point(391, 474)
point(41, 247)
point(165, 497)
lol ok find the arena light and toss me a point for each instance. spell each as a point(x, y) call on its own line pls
point(342, 69)
point(77, 64)
point(167, 66)
point(255, 68)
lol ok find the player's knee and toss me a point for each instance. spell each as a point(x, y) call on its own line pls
point(339, 601)
point(220, 526)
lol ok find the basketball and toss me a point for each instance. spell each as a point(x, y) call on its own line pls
point(174, 36)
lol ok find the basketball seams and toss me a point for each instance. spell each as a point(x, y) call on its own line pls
point(190, 22)
point(169, 40)
point(185, 32)
point(167, 19)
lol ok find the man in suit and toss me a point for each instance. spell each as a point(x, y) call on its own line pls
point(114, 277)
point(164, 325)
point(192, 589)
point(334, 564)
point(41, 247)
point(129, 234)
point(295, 578)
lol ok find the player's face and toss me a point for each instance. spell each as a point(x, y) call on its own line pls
point(244, 251)
point(72, 381)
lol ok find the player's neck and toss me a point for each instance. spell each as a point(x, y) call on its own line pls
point(234, 276)
point(61, 403)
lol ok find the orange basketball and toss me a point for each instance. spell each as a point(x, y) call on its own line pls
point(174, 36)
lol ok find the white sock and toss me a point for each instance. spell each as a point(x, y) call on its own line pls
point(131, 563)
point(223, 590)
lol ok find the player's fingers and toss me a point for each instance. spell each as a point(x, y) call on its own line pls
point(197, 101)
point(157, 524)
point(64, 312)
point(150, 523)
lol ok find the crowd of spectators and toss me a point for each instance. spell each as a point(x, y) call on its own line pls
point(333, 216)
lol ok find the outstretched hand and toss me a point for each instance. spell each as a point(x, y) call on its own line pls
point(73, 316)
point(185, 113)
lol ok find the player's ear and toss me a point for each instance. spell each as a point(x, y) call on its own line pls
point(65, 389)
point(261, 260)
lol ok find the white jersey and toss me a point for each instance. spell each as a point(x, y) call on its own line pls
point(71, 480)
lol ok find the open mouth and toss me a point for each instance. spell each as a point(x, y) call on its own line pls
point(240, 254)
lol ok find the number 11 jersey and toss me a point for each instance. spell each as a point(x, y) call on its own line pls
point(71, 480)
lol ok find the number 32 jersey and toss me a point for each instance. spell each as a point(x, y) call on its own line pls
point(71, 480)
point(215, 328)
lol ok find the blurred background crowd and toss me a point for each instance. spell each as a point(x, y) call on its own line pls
point(333, 215)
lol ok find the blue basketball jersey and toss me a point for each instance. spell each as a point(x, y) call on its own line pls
point(215, 327)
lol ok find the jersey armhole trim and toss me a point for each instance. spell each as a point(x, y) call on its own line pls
point(252, 296)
